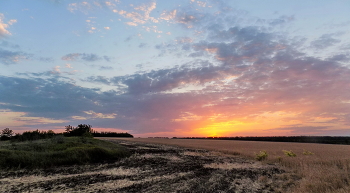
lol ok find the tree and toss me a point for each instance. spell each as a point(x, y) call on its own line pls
point(6, 134)
point(78, 131)
point(50, 133)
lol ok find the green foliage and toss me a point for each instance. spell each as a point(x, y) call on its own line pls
point(289, 153)
point(57, 152)
point(305, 152)
point(262, 155)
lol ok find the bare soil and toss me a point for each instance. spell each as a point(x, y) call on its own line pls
point(156, 168)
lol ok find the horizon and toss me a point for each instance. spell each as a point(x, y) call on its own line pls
point(184, 68)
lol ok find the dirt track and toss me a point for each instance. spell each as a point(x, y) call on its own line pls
point(156, 168)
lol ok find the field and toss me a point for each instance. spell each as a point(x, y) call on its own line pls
point(155, 168)
point(321, 167)
point(187, 165)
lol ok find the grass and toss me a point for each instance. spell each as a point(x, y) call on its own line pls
point(58, 151)
point(322, 167)
point(262, 155)
point(289, 153)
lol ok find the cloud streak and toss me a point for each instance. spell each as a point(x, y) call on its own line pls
point(8, 57)
point(84, 57)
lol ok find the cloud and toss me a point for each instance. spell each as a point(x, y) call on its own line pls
point(199, 3)
point(12, 57)
point(46, 59)
point(142, 45)
point(71, 57)
point(141, 15)
point(247, 72)
point(3, 26)
point(168, 15)
point(311, 130)
point(68, 66)
point(12, 21)
point(324, 41)
point(88, 6)
point(7, 44)
point(282, 20)
point(44, 97)
point(106, 68)
point(84, 57)
point(90, 57)
point(82, 6)
point(107, 58)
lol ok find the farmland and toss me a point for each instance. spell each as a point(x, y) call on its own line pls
point(194, 165)
point(155, 168)
point(321, 167)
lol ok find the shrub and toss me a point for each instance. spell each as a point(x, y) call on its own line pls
point(289, 153)
point(262, 155)
point(305, 152)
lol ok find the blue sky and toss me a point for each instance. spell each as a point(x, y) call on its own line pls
point(176, 68)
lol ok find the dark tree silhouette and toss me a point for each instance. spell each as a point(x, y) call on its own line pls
point(80, 130)
point(6, 134)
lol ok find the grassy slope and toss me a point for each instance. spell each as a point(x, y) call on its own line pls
point(58, 151)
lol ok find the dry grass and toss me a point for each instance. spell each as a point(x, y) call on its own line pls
point(325, 169)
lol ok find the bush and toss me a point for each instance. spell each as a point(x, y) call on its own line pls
point(262, 155)
point(305, 152)
point(289, 153)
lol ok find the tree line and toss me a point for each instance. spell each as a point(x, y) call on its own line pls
point(83, 130)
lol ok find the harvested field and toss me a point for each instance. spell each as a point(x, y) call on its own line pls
point(321, 167)
point(157, 168)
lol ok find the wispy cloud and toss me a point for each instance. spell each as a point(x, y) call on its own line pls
point(324, 41)
point(84, 57)
point(8, 57)
point(140, 15)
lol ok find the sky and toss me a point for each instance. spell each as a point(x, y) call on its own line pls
point(176, 68)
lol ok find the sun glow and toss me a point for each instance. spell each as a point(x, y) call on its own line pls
point(220, 129)
point(219, 125)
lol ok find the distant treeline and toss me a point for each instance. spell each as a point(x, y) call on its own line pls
point(298, 139)
point(87, 129)
point(110, 134)
point(70, 131)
